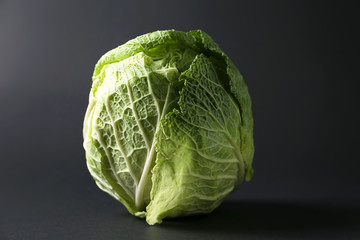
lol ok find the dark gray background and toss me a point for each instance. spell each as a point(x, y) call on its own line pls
point(299, 60)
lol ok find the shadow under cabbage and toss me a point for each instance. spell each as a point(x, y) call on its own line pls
point(265, 216)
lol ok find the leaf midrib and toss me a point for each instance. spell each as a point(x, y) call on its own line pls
point(139, 195)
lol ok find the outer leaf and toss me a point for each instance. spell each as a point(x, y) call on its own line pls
point(199, 158)
point(122, 124)
point(235, 85)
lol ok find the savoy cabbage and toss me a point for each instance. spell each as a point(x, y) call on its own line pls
point(169, 130)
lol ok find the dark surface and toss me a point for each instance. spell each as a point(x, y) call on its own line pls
point(299, 60)
point(100, 218)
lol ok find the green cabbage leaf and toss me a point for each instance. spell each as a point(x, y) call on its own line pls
point(168, 131)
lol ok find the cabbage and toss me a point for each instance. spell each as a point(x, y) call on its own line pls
point(168, 129)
